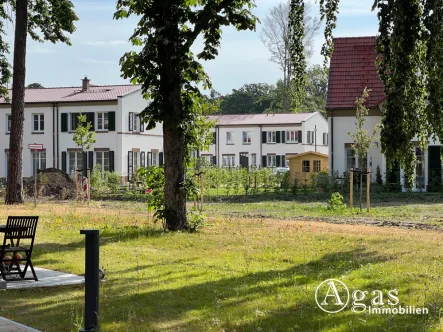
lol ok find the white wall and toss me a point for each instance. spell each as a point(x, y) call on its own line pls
point(319, 122)
point(341, 127)
point(129, 140)
point(28, 138)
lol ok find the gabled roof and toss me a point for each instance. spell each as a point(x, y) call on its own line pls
point(260, 119)
point(75, 94)
point(353, 67)
point(307, 153)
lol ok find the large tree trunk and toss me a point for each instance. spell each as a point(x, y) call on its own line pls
point(174, 152)
point(14, 191)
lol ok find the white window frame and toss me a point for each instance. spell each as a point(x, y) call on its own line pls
point(294, 138)
point(348, 158)
point(8, 123)
point(228, 160)
point(306, 163)
point(40, 119)
point(207, 158)
point(253, 159)
point(98, 160)
point(41, 162)
point(271, 160)
point(154, 157)
point(229, 138)
point(77, 153)
point(105, 121)
point(325, 139)
point(271, 137)
point(71, 129)
point(248, 136)
point(316, 166)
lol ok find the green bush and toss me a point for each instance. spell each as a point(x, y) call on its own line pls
point(336, 202)
point(113, 179)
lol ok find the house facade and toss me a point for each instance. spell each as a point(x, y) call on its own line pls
point(352, 68)
point(265, 140)
point(51, 117)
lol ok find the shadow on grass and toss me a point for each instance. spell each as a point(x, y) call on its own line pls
point(268, 300)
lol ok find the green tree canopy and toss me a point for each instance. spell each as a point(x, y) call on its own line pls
point(170, 74)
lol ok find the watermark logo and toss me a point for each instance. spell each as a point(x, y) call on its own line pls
point(333, 296)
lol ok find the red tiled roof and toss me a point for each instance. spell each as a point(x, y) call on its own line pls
point(352, 69)
point(75, 94)
point(260, 119)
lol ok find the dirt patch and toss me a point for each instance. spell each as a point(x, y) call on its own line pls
point(51, 182)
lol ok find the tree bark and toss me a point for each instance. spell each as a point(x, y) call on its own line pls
point(14, 191)
point(174, 146)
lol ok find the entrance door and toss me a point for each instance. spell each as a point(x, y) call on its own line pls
point(434, 169)
point(244, 160)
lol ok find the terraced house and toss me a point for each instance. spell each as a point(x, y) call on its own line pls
point(51, 117)
point(265, 140)
point(353, 67)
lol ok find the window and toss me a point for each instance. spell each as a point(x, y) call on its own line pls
point(420, 168)
point(325, 138)
point(102, 121)
point(38, 122)
point(253, 159)
point(350, 159)
point(135, 160)
point(228, 160)
point(271, 162)
point(310, 137)
point(154, 158)
point(317, 166)
point(75, 161)
point(102, 158)
point(136, 120)
point(8, 123)
point(74, 121)
point(305, 166)
point(246, 137)
point(230, 137)
point(271, 137)
point(39, 160)
point(207, 159)
point(292, 136)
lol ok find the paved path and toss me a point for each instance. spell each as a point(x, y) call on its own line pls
point(7, 325)
point(46, 278)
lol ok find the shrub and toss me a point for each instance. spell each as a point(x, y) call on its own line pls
point(336, 202)
point(113, 179)
point(196, 220)
point(378, 177)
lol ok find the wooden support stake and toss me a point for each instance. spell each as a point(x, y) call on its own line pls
point(89, 186)
point(201, 193)
point(351, 188)
point(195, 198)
point(76, 184)
point(368, 190)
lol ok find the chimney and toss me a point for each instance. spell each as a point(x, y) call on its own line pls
point(85, 84)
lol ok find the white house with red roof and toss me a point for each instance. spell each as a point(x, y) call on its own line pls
point(352, 68)
point(51, 118)
point(265, 140)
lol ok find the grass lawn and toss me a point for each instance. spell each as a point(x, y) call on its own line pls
point(238, 274)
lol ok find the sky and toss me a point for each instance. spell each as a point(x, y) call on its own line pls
point(99, 42)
